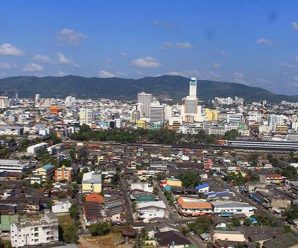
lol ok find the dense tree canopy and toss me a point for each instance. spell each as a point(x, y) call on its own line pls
point(190, 179)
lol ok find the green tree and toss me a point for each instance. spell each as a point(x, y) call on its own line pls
point(290, 173)
point(190, 179)
point(231, 135)
point(201, 225)
point(291, 213)
point(235, 221)
point(70, 234)
point(73, 211)
point(100, 229)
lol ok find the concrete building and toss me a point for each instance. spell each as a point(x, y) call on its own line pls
point(46, 172)
point(63, 174)
point(144, 186)
point(228, 208)
point(34, 148)
point(91, 182)
point(60, 207)
point(157, 112)
point(211, 114)
point(144, 100)
point(3, 102)
point(33, 233)
point(11, 130)
point(15, 165)
point(191, 111)
point(86, 116)
point(193, 206)
point(150, 210)
point(233, 117)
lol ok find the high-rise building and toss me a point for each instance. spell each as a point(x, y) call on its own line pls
point(86, 116)
point(3, 102)
point(145, 100)
point(157, 112)
point(191, 110)
point(37, 98)
point(191, 101)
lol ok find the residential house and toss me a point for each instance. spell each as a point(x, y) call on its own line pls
point(150, 210)
point(91, 182)
point(63, 174)
point(46, 172)
point(61, 207)
point(34, 233)
point(193, 206)
point(172, 239)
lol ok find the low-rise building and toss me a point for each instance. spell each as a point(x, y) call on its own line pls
point(61, 207)
point(33, 233)
point(229, 208)
point(46, 172)
point(193, 206)
point(34, 148)
point(63, 174)
point(91, 182)
point(150, 210)
point(18, 166)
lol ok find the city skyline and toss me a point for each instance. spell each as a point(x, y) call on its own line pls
point(252, 42)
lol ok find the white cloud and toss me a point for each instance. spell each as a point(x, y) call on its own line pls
point(207, 75)
point(287, 65)
point(179, 45)
point(294, 25)
point(263, 81)
point(63, 60)
point(161, 24)
point(108, 60)
point(108, 74)
point(215, 65)
point(146, 62)
point(238, 77)
point(183, 45)
point(264, 41)
point(70, 36)
point(32, 67)
point(60, 74)
point(124, 54)
point(42, 58)
point(4, 65)
point(10, 50)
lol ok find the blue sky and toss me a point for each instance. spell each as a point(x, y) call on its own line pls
point(250, 42)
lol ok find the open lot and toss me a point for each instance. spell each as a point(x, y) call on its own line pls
point(111, 240)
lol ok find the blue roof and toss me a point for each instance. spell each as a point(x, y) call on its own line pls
point(48, 166)
point(215, 194)
point(201, 186)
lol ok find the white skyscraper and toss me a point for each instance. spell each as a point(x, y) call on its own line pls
point(37, 98)
point(86, 116)
point(191, 111)
point(157, 112)
point(145, 100)
point(193, 87)
point(3, 102)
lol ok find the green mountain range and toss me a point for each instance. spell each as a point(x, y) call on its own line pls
point(174, 87)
